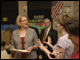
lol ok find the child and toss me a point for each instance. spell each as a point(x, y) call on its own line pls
point(3, 52)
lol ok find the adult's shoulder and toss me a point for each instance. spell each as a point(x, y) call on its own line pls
point(53, 30)
point(42, 29)
point(15, 31)
point(64, 37)
point(33, 28)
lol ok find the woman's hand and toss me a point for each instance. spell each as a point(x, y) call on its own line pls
point(40, 57)
point(57, 55)
point(49, 56)
point(49, 41)
point(30, 49)
point(40, 45)
point(13, 52)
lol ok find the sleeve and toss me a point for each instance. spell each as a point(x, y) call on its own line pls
point(12, 42)
point(35, 40)
point(37, 32)
point(63, 43)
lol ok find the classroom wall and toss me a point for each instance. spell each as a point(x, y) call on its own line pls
point(9, 12)
point(19, 10)
point(67, 4)
point(20, 7)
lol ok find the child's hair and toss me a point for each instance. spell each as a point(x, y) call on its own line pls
point(64, 19)
point(3, 43)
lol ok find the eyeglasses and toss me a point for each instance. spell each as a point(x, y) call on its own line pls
point(24, 20)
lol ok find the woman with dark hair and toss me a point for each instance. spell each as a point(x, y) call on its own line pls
point(73, 31)
point(72, 27)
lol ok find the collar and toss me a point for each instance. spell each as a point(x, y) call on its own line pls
point(48, 29)
point(64, 34)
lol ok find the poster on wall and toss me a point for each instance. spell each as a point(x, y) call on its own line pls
point(67, 9)
point(40, 24)
point(35, 24)
point(6, 37)
point(30, 24)
point(4, 18)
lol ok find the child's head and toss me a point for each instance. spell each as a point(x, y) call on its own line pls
point(3, 43)
point(62, 20)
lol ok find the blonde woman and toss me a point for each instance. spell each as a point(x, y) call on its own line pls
point(24, 38)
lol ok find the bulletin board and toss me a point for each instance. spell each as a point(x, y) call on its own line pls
point(39, 24)
point(6, 37)
point(9, 12)
point(3, 26)
point(76, 8)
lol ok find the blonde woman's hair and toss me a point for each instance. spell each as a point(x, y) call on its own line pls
point(64, 19)
point(18, 20)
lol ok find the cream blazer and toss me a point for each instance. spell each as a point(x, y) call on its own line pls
point(30, 40)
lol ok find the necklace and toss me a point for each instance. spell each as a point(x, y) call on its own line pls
point(64, 34)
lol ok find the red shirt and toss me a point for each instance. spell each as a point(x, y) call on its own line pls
point(75, 55)
point(22, 40)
